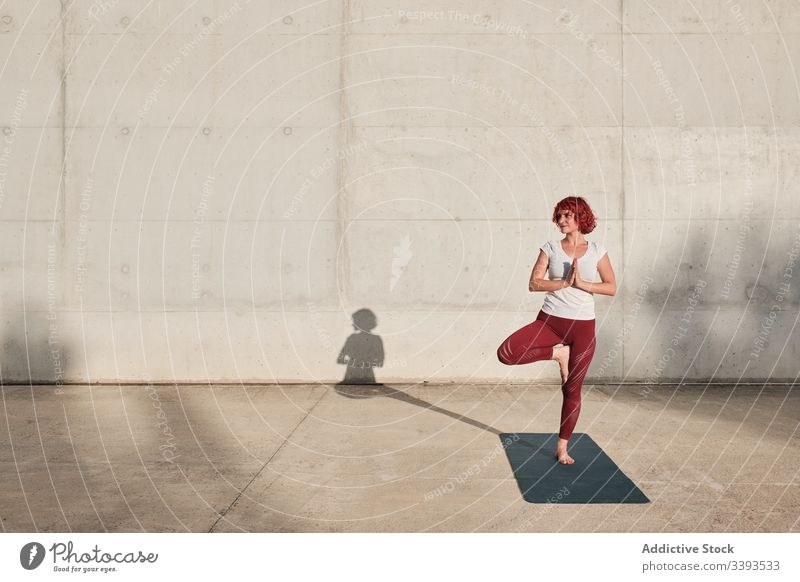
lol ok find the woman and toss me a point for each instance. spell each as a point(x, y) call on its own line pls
point(567, 314)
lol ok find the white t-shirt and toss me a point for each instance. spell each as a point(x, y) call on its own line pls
point(571, 302)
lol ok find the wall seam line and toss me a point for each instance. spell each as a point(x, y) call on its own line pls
point(342, 141)
point(622, 164)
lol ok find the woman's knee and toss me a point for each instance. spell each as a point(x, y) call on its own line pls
point(504, 354)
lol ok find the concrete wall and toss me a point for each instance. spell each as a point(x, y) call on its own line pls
point(209, 190)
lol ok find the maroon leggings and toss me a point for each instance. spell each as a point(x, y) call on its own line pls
point(535, 342)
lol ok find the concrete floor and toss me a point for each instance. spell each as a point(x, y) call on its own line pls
point(313, 458)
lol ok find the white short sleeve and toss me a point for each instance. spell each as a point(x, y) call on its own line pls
point(601, 250)
point(546, 248)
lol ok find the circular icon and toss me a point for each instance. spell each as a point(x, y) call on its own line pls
point(31, 555)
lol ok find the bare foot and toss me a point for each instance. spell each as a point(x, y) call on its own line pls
point(561, 355)
point(561, 453)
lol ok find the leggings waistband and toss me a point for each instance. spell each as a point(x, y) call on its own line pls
point(543, 313)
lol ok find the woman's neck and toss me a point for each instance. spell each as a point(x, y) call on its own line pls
point(575, 238)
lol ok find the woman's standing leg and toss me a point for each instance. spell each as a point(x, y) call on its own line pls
point(581, 339)
point(532, 343)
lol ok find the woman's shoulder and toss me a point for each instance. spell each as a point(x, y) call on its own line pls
point(547, 247)
point(599, 248)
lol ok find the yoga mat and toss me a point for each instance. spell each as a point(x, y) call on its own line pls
point(592, 478)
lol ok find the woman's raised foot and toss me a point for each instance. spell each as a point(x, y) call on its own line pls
point(561, 355)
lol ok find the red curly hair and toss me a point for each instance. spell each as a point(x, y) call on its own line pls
point(580, 208)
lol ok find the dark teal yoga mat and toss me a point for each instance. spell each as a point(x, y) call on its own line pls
point(593, 478)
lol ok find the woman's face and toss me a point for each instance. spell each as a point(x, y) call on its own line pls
point(566, 221)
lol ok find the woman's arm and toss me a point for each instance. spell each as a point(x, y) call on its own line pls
point(609, 281)
point(538, 282)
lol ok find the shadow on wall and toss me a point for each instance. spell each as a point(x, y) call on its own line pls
point(33, 349)
point(710, 300)
point(362, 352)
